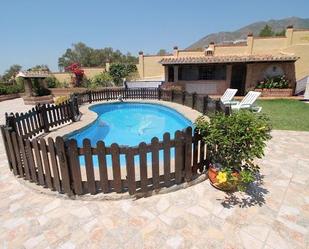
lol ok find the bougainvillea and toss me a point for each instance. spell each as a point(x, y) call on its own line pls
point(77, 71)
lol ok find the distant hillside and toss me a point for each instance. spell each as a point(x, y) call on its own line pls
point(241, 34)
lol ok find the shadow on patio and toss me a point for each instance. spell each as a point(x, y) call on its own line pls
point(254, 195)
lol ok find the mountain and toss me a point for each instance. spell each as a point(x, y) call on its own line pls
point(241, 34)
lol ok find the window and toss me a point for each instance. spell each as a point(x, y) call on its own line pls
point(206, 72)
point(202, 72)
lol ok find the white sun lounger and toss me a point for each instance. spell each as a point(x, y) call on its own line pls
point(228, 95)
point(248, 102)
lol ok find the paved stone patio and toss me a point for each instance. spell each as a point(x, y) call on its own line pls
point(274, 215)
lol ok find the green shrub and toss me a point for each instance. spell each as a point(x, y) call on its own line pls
point(119, 71)
point(10, 89)
point(101, 80)
point(64, 84)
point(84, 83)
point(52, 82)
point(234, 142)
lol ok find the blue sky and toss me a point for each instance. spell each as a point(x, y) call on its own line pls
point(39, 31)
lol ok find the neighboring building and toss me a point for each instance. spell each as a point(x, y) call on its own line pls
point(241, 65)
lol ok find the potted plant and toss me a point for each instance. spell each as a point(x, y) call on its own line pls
point(233, 142)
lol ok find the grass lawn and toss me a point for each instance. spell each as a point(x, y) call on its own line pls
point(287, 114)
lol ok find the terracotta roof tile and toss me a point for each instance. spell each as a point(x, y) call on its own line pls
point(227, 59)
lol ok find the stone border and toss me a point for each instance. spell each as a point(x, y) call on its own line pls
point(113, 196)
point(88, 116)
point(35, 100)
point(5, 97)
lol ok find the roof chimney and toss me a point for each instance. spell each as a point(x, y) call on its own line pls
point(175, 51)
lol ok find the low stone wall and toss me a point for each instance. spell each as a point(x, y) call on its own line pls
point(275, 92)
point(9, 96)
point(66, 91)
point(30, 100)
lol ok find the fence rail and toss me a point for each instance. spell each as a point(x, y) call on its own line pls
point(57, 164)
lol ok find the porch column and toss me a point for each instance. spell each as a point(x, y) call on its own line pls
point(165, 74)
point(28, 86)
point(249, 77)
point(175, 73)
point(228, 75)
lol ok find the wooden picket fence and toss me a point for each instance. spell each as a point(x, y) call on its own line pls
point(42, 117)
point(57, 165)
point(115, 93)
point(203, 104)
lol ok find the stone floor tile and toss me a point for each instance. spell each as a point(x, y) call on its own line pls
point(196, 217)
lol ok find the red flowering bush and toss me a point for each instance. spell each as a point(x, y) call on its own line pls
point(77, 71)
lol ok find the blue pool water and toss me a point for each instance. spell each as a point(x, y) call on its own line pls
point(129, 124)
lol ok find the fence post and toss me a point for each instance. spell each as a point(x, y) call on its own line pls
point(159, 93)
point(218, 106)
point(43, 114)
point(89, 96)
point(143, 93)
point(10, 121)
point(6, 146)
point(183, 97)
point(205, 102)
point(227, 110)
point(107, 95)
point(72, 110)
point(188, 154)
point(193, 99)
point(76, 107)
point(66, 178)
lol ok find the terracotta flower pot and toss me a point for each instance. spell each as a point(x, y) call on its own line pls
point(212, 174)
point(226, 186)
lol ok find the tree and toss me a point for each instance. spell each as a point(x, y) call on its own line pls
point(280, 33)
point(90, 57)
point(42, 67)
point(266, 31)
point(162, 52)
point(9, 75)
point(119, 71)
point(103, 79)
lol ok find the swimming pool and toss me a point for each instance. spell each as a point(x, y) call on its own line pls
point(129, 124)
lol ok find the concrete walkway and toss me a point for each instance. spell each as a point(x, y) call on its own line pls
point(274, 215)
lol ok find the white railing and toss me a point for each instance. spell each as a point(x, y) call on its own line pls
point(144, 84)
